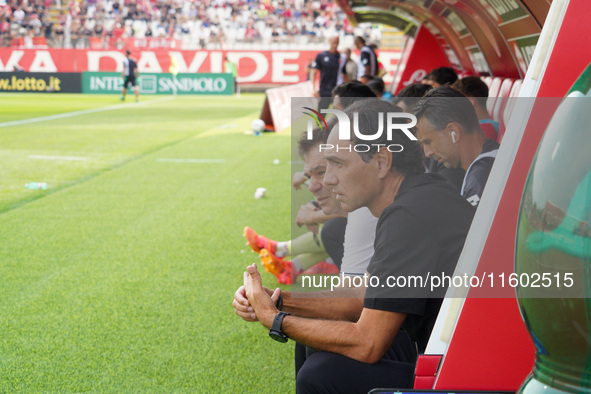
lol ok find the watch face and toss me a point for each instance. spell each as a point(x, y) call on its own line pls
point(279, 337)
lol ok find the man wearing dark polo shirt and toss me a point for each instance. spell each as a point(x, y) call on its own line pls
point(328, 63)
point(371, 340)
point(448, 129)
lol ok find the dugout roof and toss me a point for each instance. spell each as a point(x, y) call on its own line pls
point(497, 37)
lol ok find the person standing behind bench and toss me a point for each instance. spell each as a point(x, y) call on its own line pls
point(368, 61)
point(328, 63)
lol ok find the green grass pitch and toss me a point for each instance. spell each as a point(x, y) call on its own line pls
point(119, 277)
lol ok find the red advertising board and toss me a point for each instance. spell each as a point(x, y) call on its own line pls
point(272, 67)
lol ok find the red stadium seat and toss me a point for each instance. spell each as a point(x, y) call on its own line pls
point(40, 42)
point(17, 42)
point(487, 81)
point(96, 42)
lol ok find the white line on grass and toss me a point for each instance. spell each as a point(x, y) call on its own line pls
point(83, 112)
point(69, 158)
point(228, 126)
point(191, 160)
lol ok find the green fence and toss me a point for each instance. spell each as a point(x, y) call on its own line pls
point(112, 83)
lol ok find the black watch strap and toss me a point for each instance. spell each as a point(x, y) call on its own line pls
point(275, 331)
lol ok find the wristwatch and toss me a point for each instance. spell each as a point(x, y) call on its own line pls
point(275, 331)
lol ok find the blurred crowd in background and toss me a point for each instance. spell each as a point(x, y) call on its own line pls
point(207, 24)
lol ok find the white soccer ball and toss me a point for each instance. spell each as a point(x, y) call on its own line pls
point(260, 193)
point(257, 125)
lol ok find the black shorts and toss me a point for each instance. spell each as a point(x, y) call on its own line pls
point(130, 79)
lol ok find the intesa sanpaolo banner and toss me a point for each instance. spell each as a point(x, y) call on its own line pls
point(273, 67)
point(162, 83)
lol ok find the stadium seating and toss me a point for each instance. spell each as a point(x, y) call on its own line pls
point(500, 103)
point(493, 92)
point(210, 24)
point(501, 100)
point(503, 93)
point(510, 104)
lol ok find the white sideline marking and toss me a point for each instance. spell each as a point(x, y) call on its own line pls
point(228, 126)
point(191, 160)
point(83, 112)
point(70, 158)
